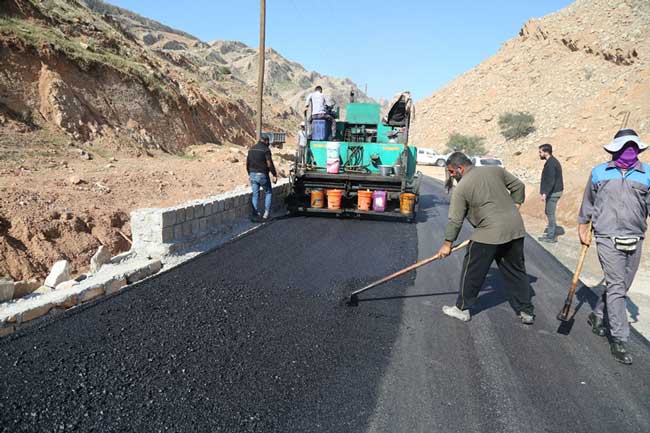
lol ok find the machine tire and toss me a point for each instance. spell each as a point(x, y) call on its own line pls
point(440, 163)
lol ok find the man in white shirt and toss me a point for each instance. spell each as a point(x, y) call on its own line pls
point(302, 144)
point(316, 108)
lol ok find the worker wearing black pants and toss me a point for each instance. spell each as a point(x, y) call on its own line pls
point(489, 199)
point(510, 259)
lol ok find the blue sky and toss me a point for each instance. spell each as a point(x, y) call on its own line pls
point(415, 45)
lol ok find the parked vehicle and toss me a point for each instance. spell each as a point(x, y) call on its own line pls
point(486, 160)
point(430, 157)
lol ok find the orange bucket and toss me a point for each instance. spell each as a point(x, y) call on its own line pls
point(406, 203)
point(317, 199)
point(334, 198)
point(364, 199)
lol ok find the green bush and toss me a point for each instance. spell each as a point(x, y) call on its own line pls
point(516, 125)
point(224, 70)
point(468, 144)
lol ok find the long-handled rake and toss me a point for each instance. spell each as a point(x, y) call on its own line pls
point(354, 297)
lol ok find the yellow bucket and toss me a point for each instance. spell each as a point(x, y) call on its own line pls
point(406, 203)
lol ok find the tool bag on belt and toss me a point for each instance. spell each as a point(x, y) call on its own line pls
point(626, 243)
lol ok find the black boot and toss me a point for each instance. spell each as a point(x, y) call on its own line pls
point(618, 350)
point(597, 325)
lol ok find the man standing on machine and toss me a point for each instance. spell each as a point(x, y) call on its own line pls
point(316, 109)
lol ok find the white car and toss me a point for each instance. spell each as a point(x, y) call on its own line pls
point(486, 160)
point(430, 157)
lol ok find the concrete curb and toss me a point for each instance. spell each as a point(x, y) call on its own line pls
point(162, 231)
point(220, 219)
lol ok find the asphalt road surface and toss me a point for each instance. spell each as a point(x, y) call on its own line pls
point(253, 338)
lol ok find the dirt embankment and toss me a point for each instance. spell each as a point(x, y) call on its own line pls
point(95, 101)
point(55, 203)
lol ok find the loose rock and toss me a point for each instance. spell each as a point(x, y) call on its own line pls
point(101, 257)
point(60, 272)
point(6, 289)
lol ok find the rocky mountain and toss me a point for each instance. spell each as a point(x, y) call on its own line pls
point(286, 82)
point(68, 68)
point(579, 72)
point(102, 74)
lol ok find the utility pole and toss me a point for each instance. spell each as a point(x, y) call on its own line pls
point(260, 77)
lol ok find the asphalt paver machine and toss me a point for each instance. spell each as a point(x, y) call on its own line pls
point(367, 169)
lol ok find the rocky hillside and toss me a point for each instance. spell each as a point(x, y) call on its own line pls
point(68, 68)
point(99, 73)
point(578, 71)
point(286, 82)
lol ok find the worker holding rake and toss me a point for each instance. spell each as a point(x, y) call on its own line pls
point(617, 203)
point(489, 197)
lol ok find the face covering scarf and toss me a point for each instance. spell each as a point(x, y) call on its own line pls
point(628, 157)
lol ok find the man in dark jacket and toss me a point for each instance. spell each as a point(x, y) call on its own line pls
point(259, 164)
point(550, 190)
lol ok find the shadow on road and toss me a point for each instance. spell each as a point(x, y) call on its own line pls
point(490, 296)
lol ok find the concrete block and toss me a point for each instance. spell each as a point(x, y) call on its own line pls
point(220, 205)
point(189, 213)
point(91, 293)
point(225, 216)
point(195, 226)
point(155, 267)
point(137, 274)
point(101, 257)
point(67, 302)
point(6, 289)
point(114, 285)
point(229, 203)
point(168, 218)
point(168, 234)
point(35, 312)
point(178, 232)
point(7, 330)
point(203, 224)
point(187, 229)
point(180, 215)
point(23, 288)
point(60, 272)
point(241, 211)
point(198, 211)
point(207, 209)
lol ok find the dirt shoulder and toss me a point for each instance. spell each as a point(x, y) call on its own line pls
point(55, 203)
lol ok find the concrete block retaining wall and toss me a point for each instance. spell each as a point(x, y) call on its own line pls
point(156, 233)
point(161, 231)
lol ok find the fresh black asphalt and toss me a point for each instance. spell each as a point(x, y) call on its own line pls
point(253, 337)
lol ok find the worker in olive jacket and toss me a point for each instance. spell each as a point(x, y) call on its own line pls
point(489, 197)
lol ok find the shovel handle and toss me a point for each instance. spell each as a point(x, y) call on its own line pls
point(409, 269)
point(576, 278)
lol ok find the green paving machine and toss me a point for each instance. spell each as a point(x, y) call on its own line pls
point(367, 169)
